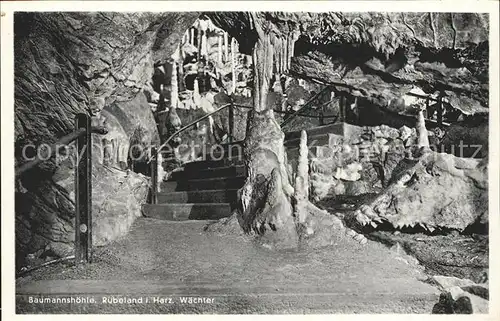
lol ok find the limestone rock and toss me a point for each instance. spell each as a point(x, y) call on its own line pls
point(457, 301)
point(116, 203)
point(421, 194)
point(405, 133)
point(349, 173)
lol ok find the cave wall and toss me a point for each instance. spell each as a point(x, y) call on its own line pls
point(95, 63)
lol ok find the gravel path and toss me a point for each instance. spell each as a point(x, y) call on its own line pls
point(179, 259)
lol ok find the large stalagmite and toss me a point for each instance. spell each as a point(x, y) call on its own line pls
point(280, 215)
point(265, 197)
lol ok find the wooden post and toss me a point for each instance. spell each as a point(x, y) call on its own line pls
point(154, 175)
point(83, 192)
point(231, 122)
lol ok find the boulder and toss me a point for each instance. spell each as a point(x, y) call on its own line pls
point(421, 194)
point(456, 300)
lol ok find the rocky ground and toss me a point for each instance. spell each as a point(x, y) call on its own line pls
point(171, 258)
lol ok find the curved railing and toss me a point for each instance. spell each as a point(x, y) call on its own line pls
point(305, 107)
point(153, 160)
point(83, 181)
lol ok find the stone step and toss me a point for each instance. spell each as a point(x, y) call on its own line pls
point(315, 151)
point(205, 164)
point(187, 211)
point(316, 140)
point(345, 130)
point(211, 196)
point(208, 149)
point(215, 183)
point(220, 154)
point(226, 171)
point(336, 128)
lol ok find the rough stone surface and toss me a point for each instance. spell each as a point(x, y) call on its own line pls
point(456, 300)
point(421, 194)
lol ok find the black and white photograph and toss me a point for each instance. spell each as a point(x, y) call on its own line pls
point(298, 158)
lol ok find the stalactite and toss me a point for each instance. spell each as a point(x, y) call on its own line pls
point(191, 36)
point(289, 52)
point(226, 47)
point(219, 48)
point(284, 61)
point(295, 37)
point(204, 44)
point(174, 93)
point(199, 40)
point(263, 56)
point(302, 180)
point(277, 54)
point(233, 65)
point(283, 55)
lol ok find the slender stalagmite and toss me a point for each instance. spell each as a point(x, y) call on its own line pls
point(219, 48)
point(302, 179)
point(423, 135)
point(191, 36)
point(196, 95)
point(204, 44)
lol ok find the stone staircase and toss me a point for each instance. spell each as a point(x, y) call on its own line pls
point(207, 189)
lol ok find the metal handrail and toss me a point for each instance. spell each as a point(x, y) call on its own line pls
point(307, 105)
point(194, 122)
point(186, 127)
point(65, 140)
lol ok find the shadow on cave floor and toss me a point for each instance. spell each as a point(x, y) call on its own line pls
point(179, 258)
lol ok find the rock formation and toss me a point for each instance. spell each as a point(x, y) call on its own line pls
point(421, 195)
point(280, 215)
